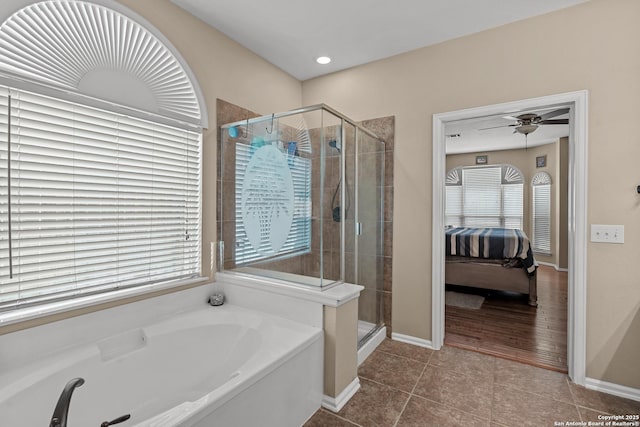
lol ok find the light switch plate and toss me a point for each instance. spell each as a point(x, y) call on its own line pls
point(607, 233)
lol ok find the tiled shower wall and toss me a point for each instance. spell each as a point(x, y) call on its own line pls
point(309, 264)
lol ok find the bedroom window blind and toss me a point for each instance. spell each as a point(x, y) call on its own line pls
point(481, 197)
point(487, 196)
point(541, 239)
point(92, 201)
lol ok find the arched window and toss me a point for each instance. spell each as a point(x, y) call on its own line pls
point(105, 57)
point(485, 196)
point(100, 142)
point(541, 238)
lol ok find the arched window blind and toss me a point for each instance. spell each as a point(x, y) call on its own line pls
point(541, 239)
point(91, 200)
point(487, 196)
point(90, 53)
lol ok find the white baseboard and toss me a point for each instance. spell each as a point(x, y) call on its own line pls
point(334, 404)
point(412, 340)
point(555, 267)
point(611, 388)
point(372, 343)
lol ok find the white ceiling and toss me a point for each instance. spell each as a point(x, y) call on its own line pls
point(292, 33)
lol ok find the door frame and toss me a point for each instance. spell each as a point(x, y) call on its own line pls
point(577, 217)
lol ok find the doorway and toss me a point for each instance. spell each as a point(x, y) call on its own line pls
point(577, 174)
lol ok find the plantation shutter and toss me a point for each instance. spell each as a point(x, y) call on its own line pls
point(542, 213)
point(97, 200)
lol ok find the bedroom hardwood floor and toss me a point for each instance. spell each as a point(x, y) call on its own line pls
point(506, 327)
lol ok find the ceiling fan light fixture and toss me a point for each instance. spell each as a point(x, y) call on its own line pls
point(526, 129)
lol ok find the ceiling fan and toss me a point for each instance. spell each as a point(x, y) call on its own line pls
point(529, 122)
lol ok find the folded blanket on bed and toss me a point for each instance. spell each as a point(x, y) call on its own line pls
point(490, 243)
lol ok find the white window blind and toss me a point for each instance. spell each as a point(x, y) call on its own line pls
point(489, 196)
point(541, 242)
point(453, 208)
point(285, 218)
point(512, 205)
point(97, 200)
point(481, 204)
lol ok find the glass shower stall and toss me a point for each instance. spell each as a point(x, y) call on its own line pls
point(301, 199)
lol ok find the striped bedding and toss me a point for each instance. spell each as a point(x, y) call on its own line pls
point(490, 243)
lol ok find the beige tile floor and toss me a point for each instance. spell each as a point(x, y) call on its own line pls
point(405, 385)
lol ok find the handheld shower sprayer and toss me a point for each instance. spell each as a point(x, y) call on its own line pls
point(336, 212)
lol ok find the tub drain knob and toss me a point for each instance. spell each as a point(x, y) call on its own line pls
point(216, 299)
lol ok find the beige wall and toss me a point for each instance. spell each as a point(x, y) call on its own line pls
point(525, 160)
point(340, 347)
point(224, 70)
point(593, 47)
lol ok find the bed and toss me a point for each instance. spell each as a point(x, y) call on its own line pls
point(491, 258)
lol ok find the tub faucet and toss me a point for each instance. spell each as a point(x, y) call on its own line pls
point(59, 417)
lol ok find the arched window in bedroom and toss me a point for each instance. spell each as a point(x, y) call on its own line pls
point(484, 196)
point(100, 155)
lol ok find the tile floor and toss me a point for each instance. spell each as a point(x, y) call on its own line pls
point(405, 385)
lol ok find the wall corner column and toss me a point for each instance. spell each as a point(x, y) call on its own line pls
point(340, 324)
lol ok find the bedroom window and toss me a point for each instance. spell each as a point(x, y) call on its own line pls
point(541, 237)
point(487, 196)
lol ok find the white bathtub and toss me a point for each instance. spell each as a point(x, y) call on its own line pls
point(216, 366)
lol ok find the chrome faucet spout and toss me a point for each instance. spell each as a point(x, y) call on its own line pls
point(59, 417)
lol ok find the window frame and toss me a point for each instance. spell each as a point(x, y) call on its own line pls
point(509, 175)
point(102, 22)
point(19, 311)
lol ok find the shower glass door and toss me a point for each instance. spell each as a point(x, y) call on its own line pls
point(368, 230)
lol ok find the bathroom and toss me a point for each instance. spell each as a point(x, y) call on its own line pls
point(395, 100)
point(103, 319)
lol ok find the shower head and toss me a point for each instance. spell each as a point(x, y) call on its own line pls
point(335, 144)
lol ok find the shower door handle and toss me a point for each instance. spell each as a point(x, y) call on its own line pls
point(358, 228)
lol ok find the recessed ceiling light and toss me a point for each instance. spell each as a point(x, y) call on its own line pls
point(323, 60)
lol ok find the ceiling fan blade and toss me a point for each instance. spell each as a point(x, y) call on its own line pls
point(496, 127)
point(527, 117)
point(554, 113)
point(554, 122)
